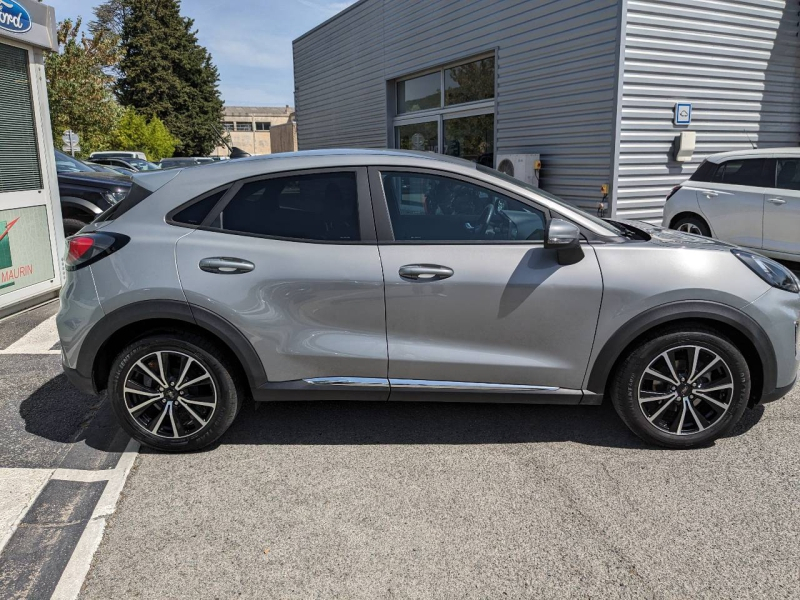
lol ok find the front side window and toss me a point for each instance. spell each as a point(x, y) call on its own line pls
point(322, 207)
point(748, 172)
point(788, 174)
point(432, 208)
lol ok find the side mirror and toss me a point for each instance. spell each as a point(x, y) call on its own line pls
point(565, 238)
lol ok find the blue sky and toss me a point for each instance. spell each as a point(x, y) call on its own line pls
point(250, 41)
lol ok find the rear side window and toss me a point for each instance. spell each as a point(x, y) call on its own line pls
point(789, 173)
point(316, 207)
point(742, 172)
point(195, 213)
point(136, 195)
point(704, 172)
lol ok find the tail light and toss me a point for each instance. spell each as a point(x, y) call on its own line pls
point(83, 250)
point(672, 192)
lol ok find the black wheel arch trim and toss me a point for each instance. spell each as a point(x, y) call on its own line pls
point(148, 310)
point(81, 204)
point(681, 311)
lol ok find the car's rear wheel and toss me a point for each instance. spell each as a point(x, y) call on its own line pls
point(174, 393)
point(682, 388)
point(691, 224)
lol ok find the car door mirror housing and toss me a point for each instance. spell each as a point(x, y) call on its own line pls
point(565, 238)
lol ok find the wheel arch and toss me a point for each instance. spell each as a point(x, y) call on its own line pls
point(746, 334)
point(688, 213)
point(135, 321)
point(78, 208)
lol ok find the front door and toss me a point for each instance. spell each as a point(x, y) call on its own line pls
point(472, 296)
point(292, 262)
point(782, 209)
point(733, 202)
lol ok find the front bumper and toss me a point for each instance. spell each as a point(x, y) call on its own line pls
point(777, 393)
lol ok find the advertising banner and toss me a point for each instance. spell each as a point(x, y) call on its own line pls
point(25, 255)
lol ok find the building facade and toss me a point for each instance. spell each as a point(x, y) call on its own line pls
point(249, 127)
point(591, 87)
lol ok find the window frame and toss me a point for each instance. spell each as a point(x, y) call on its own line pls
point(263, 123)
point(366, 223)
point(243, 124)
point(383, 219)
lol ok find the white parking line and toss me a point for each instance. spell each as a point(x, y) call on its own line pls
point(69, 586)
point(38, 340)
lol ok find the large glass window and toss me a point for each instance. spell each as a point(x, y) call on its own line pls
point(418, 136)
point(419, 93)
point(309, 207)
point(469, 82)
point(432, 208)
point(471, 138)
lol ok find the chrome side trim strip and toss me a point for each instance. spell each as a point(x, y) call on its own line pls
point(469, 386)
point(349, 381)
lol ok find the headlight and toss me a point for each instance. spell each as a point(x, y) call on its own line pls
point(114, 197)
point(770, 271)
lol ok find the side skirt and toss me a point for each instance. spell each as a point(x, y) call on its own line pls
point(415, 390)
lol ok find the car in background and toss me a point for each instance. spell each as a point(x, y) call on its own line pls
point(117, 154)
point(391, 275)
point(180, 162)
point(86, 192)
point(750, 198)
point(132, 164)
point(107, 169)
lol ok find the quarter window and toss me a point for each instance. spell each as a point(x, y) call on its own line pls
point(788, 174)
point(432, 208)
point(321, 207)
point(196, 213)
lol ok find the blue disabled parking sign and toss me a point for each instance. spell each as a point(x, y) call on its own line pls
point(683, 113)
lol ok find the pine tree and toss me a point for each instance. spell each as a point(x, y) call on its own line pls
point(165, 73)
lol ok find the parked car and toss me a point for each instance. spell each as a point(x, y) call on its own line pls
point(185, 161)
point(750, 198)
point(117, 154)
point(395, 275)
point(133, 164)
point(86, 192)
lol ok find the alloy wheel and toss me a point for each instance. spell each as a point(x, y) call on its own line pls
point(685, 390)
point(690, 228)
point(170, 394)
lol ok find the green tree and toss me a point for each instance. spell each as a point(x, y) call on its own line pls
point(135, 132)
point(164, 72)
point(79, 89)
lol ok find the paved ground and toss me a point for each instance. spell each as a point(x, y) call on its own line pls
point(380, 500)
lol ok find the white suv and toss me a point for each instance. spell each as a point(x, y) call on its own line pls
point(749, 197)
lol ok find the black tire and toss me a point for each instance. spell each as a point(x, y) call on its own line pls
point(228, 391)
point(625, 388)
point(690, 222)
point(72, 226)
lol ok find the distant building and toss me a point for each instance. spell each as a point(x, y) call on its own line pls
point(249, 128)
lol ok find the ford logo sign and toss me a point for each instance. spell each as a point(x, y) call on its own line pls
point(14, 17)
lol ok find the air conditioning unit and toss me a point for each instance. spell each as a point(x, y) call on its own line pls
point(524, 167)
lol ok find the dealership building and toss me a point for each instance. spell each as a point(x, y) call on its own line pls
point(620, 100)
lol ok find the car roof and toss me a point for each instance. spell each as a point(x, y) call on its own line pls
point(755, 153)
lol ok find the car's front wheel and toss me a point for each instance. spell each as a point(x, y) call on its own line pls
point(173, 393)
point(682, 388)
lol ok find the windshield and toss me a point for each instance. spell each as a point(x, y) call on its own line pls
point(142, 165)
point(67, 164)
point(596, 220)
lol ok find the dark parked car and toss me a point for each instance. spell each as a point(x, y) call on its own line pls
point(184, 161)
point(85, 192)
point(133, 164)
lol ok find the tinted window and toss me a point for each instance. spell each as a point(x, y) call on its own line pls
point(469, 82)
point(426, 207)
point(741, 172)
point(704, 172)
point(789, 173)
point(197, 212)
point(310, 207)
point(419, 93)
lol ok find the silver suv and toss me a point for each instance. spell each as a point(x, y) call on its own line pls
point(389, 275)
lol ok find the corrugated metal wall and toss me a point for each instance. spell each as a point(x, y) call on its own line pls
point(556, 77)
point(736, 61)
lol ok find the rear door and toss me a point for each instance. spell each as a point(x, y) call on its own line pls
point(473, 299)
point(292, 262)
point(733, 201)
point(782, 208)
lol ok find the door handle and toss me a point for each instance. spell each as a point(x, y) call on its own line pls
point(226, 266)
point(776, 200)
point(425, 272)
